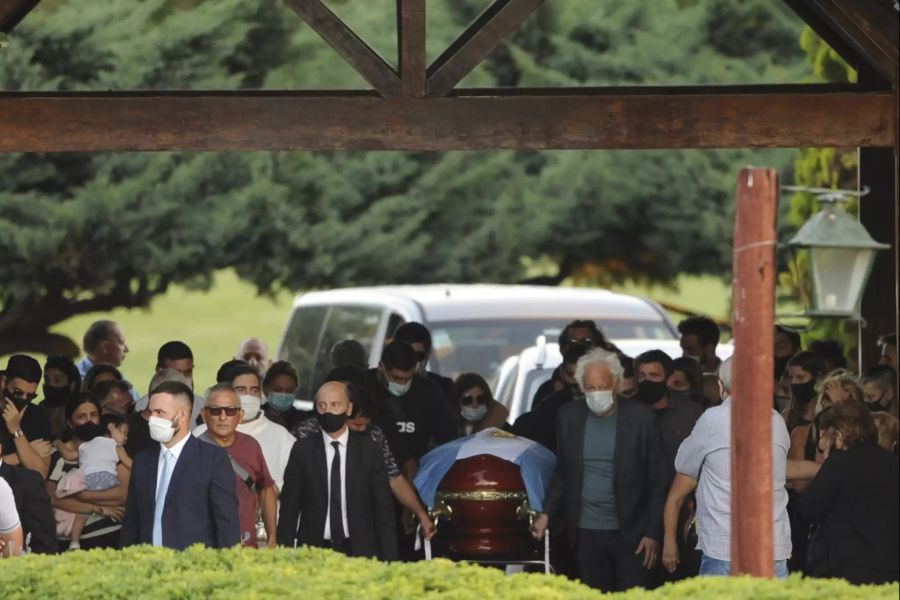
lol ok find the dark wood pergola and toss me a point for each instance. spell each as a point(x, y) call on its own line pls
point(417, 106)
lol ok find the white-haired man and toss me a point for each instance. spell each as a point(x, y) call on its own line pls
point(608, 489)
point(703, 463)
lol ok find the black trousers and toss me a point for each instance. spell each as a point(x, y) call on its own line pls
point(342, 546)
point(605, 562)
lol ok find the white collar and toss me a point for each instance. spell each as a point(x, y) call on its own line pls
point(177, 448)
point(342, 440)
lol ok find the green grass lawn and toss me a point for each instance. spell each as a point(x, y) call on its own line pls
point(213, 323)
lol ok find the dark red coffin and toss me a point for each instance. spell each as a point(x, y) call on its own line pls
point(483, 513)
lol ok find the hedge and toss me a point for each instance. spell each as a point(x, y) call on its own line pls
point(314, 574)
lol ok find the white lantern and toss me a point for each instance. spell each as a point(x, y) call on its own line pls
point(841, 254)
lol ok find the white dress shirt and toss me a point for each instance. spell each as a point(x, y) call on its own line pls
point(329, 456)
point(176, 452)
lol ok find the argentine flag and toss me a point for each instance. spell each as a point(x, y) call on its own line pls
point(535, 462)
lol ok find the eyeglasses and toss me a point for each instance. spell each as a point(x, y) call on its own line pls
point(470, 400)
point(229, 411)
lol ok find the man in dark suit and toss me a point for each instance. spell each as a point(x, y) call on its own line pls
point(182, 491)
point(336, 485)
point(608, 490)
point(33, 505)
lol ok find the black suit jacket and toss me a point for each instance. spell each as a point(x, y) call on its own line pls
point(201, 503)
point(370, 509)
point(33, 506)
point(854, 498)
point(639, 471)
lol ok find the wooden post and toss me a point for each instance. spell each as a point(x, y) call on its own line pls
point(752, 550)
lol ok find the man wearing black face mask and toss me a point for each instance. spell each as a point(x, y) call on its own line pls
point(675, 418)
point(337, 486)
point(23, 426)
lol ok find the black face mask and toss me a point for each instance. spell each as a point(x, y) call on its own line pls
point(651, 391)
point(56, 396)
point(781, 365)
point(804, 392)
point(331, 422)
point(681, 395)
point(18, 402)
point(87, 431)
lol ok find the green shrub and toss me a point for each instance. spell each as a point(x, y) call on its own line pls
point(315, 574)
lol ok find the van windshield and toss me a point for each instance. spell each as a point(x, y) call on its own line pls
point(481, 346)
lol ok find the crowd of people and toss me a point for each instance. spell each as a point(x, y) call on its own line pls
point(641, 492)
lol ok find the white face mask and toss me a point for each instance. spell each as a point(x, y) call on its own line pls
point(161, 430)
point(473, 413)
point(251, 405)
point(599, 402)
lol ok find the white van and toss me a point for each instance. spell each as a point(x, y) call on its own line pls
point(474, 327)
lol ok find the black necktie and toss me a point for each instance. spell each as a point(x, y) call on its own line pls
point(334, 504)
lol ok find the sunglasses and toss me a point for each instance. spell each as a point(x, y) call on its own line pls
point(229, 411)
point(470, 400)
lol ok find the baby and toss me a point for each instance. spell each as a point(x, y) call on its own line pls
point(98, 458)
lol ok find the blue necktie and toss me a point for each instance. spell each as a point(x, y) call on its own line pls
point(162, 487)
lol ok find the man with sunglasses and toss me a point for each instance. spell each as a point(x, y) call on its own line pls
point(24, 427)
point(255, 486)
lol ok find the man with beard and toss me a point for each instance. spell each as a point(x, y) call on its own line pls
point(24, 426)
point(699, 338)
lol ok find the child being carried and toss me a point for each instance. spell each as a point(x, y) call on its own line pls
point(98, 459)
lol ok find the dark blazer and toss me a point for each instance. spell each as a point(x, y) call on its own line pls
point(201, 503)
point(370, 509)
point(639, 473)
point(854, 497)
point(33, 506)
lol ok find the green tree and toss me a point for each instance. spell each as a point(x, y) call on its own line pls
point(820, 168)
point(90, 232)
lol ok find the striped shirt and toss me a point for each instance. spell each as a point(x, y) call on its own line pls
point(96, 525)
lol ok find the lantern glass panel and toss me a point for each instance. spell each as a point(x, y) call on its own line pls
point(839, 275)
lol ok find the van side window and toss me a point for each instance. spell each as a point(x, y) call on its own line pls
point(344, 322)
point(394, 322)
point(301, 342)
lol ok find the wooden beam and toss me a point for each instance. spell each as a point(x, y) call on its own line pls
point(655, 118)
point(481, 38)
point(368, 63)
point(870, 27)
point(13, 11)
point(753, 299)
point(411, 46)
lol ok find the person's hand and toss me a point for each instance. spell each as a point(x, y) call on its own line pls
point(42, 447)
point(539, 527)
point(271, 543)
point(428, 528)
point(12, 416)
point(670, 555)
point(116, 513)
point(407, 520)
point(650, 548)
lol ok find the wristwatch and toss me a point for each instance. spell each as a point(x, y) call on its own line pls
point(18, 432)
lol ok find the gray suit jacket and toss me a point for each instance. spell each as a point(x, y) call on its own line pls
point(639, 473)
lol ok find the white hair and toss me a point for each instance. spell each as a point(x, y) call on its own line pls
point(599, 356)
point(725, 374)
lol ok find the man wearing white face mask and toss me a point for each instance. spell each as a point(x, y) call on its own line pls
point(608, 489)
point(181, 491)
point(275, 440)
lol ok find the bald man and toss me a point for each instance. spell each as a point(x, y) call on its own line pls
point(337, 486)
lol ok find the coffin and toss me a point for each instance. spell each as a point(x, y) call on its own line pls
point(482, 512)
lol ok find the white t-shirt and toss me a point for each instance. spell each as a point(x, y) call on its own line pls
point(9, 516)
point(98, 456)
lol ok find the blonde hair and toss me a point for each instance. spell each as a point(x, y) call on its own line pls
point(848, 382)
point(888, 430)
